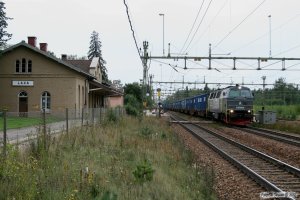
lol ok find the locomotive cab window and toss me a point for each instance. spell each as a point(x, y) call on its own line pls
point(214, 95)
point(218, 94)
point(246, 93)
point(240, 93)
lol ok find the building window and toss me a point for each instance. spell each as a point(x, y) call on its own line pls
point(29, 66)
point(46, 101)
point(17, 65)
point(23, 94)
point(23, 65)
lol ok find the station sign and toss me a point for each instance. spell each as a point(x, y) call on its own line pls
point(22, 83)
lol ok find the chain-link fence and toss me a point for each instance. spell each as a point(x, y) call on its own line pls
point(16, 127)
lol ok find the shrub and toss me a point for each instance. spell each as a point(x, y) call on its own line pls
point(111, 116)
point(146, 131)
point(109, 196)
point(143, 172)
point(131, 110)
point(132, 106)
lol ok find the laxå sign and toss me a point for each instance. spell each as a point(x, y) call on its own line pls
point(22, 83)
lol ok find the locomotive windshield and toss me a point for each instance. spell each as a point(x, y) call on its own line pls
point(239, 93)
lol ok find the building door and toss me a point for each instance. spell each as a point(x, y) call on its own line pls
point(23, 103)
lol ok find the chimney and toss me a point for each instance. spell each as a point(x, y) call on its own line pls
point(64, 56)
point(43, 47)
point(32, 41)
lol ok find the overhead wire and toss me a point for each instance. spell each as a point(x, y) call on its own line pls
point(211, 22)
point(131, 27)
point(172, 66)
point(198, 27)
point(290, 49)
point(238, 25)
point(292, 66)
point(192, 26)
point(265, 34)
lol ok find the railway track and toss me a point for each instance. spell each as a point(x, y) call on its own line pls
point(291, 139)
point(272, 174)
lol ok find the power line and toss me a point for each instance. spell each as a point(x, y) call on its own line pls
point(131, 27)
point(230, 32)
point(265, 34)
point(198, 26)
point(212, 21)
point(192, 26)
point(290, 49)
point(172, 66)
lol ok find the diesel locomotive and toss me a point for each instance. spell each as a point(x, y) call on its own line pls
point(233, 105)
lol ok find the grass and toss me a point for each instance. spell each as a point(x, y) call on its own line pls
point(281, 126)
point(107, 162)
point(288, 112)
point(21, 122)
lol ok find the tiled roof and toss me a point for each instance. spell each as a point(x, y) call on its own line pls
point(63, 62)
point(82, 64)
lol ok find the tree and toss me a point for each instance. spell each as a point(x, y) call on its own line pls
point(95, 51)
point(135, 89)
point(133, 99)
point(4, 36)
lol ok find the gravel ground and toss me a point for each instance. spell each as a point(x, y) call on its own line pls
point(284, 152)
point(230, 184)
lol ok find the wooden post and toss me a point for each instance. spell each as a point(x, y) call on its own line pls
point(67, 120)
point(82, 117)
point(93, 115)
point(44, 126)
point(99, 115)
point(4, 133)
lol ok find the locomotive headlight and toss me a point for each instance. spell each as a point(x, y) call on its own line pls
point(231, 111)
point(249, 111)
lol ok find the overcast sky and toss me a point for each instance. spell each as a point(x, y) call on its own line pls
point(66, 25)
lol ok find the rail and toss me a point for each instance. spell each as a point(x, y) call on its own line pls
point(223, 145)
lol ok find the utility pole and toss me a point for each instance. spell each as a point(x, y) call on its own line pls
point(145, 70)
point(151, 88)
point(264, 82)
point(264, 85)
point(163, 15)
point(209, 57)
point(270, 29)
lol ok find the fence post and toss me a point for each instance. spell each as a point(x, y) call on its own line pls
point(44, 126)
point(100, 115)
point(4, 133)
point(67, 120)
point(82, 117)
point(76, 111)
point(93, 115)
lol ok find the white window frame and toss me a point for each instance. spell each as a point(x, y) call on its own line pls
point(46, 98)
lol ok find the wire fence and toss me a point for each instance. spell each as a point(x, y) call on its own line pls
point(17, 127)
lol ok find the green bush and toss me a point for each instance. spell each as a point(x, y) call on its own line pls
point(109, 196)
point(132, 106)
point(111, 116)
point(143, 172)
point(146, 131)
point(131, 110)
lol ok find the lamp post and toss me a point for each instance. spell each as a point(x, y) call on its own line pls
point(163, 15)
point(270, 28)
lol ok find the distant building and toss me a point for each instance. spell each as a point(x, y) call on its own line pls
point(31, 79)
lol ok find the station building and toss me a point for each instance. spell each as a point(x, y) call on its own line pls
point(32, 79)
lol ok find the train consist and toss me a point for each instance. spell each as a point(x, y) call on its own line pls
point(233, 105)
